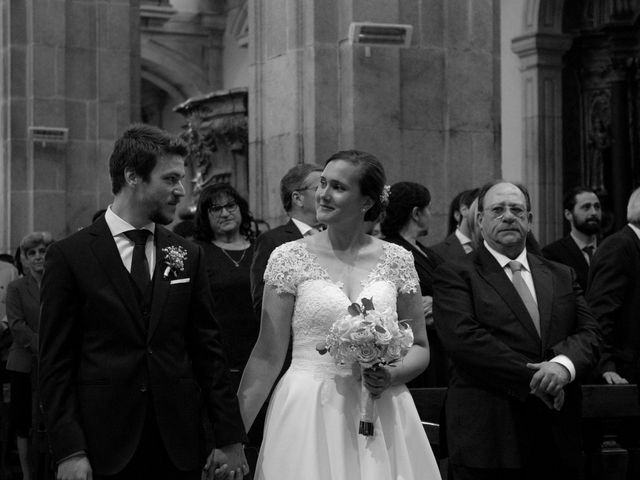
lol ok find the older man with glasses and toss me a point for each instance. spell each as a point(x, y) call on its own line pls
point(520, 337)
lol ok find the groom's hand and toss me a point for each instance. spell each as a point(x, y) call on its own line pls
point(226, 463)
point(75, 468)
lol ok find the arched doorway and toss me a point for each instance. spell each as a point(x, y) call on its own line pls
point(580, 106)
point(601, 105)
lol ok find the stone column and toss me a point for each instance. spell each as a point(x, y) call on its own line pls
point(73, 65)
point(624, 51)
point(541, 66)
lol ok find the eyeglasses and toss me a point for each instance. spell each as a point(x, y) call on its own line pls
point(230, 207)
point(499, 211)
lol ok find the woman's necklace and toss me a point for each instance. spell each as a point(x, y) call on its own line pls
point(235, 263)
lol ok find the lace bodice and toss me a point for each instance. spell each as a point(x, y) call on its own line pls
point(320, 301)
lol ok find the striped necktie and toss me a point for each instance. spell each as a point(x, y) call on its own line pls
point(525, 294)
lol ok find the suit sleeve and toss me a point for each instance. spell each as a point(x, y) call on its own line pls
point(21, 331)
point(60, 335)
point(549, 253)
point(474, 350)
point(262, 250)
point(583, 345)
point(610, 277)
point(209, 362)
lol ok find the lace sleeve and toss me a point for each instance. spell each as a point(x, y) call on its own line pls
point(402, 269)
point(282, 268)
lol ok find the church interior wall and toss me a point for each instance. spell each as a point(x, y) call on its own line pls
point(430, 112)
point(511, 14)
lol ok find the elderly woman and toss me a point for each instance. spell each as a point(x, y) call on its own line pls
point(407, 218)
point(23, 308)
point(224, 230)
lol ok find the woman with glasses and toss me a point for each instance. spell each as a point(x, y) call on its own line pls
point(23, 314)
point(224, 230)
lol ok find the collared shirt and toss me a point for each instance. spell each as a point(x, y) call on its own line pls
point(303, 227)
point(581, 245)
point(503, 260)
point(635, 229)
point(118, 227)
point(464, 241)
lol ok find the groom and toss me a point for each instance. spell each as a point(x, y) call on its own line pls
point(130, 350)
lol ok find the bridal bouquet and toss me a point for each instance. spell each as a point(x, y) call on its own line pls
point(371, 339)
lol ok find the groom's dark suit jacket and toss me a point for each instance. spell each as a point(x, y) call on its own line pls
point(492, 420)
point(101, 367)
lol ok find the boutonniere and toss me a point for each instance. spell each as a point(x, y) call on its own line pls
point(174, 258)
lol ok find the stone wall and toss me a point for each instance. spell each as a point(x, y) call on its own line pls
point(73, 64)
point(430, 112)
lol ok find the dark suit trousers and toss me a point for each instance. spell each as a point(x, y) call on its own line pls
point(151, 460)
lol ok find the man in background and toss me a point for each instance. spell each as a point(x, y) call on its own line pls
point(583, 212)
point(297, 192)
point(459, 243)
point(614, 297)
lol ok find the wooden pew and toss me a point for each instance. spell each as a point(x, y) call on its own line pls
point(604, 409)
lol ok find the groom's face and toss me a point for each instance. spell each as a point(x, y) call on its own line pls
point(159, 196)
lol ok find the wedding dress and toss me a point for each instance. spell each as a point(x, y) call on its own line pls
point(311, 430)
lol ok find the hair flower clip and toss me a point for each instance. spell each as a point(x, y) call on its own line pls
point(384, 196)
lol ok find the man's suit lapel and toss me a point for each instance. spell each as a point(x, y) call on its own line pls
point(575, 252)
point(455, 245)
point(543, 283)
point(292, 230)
point(632, 234)
point(105, 249)
point(160, 284)
point(494, 275)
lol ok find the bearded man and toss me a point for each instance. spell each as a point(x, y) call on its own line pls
point(583, 212)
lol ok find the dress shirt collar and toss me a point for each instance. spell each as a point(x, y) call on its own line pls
point(118, 226)
point(303, 227)
point(461, 237)
point(581, 244)
point(503, 260)
point(635, 229)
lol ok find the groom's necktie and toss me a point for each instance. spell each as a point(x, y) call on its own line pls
point(139, 262)
point(525, 294)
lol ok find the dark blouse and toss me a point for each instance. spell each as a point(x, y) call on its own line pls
point(231, 290)
point(426, 261)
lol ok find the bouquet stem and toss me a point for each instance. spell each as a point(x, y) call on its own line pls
point(366, 411)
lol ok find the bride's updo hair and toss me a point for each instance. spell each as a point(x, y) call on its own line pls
point(372, 178)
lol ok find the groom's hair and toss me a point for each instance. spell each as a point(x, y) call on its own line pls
point(138, 148)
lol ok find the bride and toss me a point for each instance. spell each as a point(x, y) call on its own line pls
point(311, 430)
